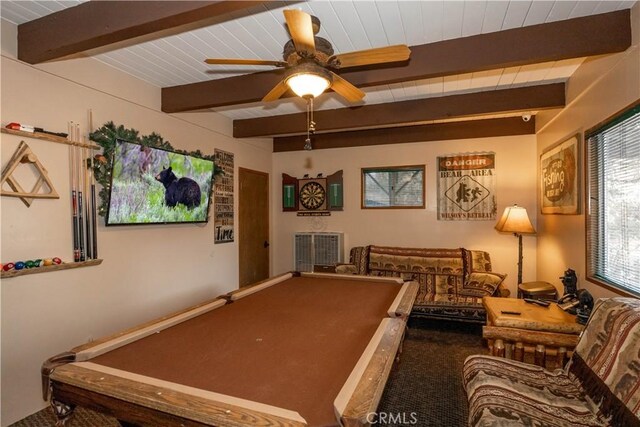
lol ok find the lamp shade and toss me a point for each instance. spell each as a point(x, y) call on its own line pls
point(515, 220)
point(308, 84)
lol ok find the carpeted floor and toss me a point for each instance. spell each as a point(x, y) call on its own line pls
point(424, 389)
point(426, 386)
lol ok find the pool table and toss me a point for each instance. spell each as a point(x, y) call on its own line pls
point(295, 350)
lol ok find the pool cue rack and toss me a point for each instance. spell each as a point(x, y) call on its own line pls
point(59, 140)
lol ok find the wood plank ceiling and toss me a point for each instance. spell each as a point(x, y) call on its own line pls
point(444, 36)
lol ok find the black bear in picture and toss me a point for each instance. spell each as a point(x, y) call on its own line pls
point(183, 190)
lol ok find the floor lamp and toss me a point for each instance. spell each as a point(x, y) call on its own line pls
point(515, 220)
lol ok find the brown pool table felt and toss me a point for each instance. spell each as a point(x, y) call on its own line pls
point(291, 345)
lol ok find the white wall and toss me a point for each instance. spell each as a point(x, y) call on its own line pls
point(601, 87)
point(516, 183)
point(148, 271)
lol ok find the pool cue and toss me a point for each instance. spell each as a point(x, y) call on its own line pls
point(87, 216)
point(80, 204)
point(94, 219)
point(74, 196)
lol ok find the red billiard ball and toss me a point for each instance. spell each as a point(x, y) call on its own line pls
point(57, 260)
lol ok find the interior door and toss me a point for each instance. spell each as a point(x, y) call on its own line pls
point(253, 226)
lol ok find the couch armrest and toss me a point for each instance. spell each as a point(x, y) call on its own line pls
point(346, 269)
point(502, 291)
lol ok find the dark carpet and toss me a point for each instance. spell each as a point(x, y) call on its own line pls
point(424, 389)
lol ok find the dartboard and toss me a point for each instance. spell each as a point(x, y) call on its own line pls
point(312, 195)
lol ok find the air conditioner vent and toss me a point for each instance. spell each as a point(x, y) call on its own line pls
point(309, 249)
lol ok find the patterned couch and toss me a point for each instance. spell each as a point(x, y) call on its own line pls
point(452, 281)
point(600, 386)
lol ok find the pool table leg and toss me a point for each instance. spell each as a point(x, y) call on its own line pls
point(62, 412)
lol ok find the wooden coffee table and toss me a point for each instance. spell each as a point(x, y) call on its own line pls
point(545, 336)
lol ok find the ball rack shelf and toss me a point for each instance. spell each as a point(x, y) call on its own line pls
point(48, 268)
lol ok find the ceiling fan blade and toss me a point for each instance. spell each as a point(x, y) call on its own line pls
point(346, 89)
point(301, 30)
point(379, 55)
point(244, 62)
point(276, 92)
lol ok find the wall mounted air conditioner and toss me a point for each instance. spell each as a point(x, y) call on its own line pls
point(322, 249)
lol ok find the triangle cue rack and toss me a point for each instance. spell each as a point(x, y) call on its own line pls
point(24, 155)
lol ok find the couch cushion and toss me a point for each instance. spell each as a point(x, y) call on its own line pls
point(477, 261)
point(504, 392)
point(481, 284)
point(607, 359)
point(438, 271)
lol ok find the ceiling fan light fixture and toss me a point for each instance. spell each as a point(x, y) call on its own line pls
point(309, 80)
point(308, 84)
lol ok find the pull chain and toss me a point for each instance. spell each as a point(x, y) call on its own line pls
point(310, 124)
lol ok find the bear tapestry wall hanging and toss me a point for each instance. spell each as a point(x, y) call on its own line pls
point(223, 198)
point(560, 178)
point(466, 187)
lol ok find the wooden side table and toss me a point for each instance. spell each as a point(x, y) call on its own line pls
point(545, 336)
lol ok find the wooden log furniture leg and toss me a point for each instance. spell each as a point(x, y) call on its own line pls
point(519, 352)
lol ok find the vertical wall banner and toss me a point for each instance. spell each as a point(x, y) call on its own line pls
point(466, 187)
point(223, 198)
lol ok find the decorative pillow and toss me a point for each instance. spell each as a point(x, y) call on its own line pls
point(480, 284)
point(346, 269)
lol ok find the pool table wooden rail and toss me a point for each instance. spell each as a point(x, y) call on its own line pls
point(361, 393)
point(142, 400)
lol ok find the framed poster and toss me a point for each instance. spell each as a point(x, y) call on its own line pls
point(466, 187)
point(223, 198)
point(560, 171)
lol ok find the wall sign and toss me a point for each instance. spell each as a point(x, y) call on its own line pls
point(312, 196)
point(560, 178)
point(223, 198)
point(466, 187)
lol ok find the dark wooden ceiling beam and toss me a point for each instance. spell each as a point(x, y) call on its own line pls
point(572, 38)
point(422, 133)
point(96, 24)
point(530, 98)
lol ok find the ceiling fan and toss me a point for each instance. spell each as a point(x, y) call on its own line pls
point(308, 60)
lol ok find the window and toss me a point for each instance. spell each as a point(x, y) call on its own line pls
point(393, 187)
point(613, 202)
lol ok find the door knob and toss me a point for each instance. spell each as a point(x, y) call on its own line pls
point(266, 244)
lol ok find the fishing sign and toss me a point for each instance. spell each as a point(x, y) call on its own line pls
point(466, 187)
point(559, 173)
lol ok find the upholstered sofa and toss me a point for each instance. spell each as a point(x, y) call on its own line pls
point(599, 386)
point(452, 281)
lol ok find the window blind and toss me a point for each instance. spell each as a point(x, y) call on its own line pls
point(613, 202)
